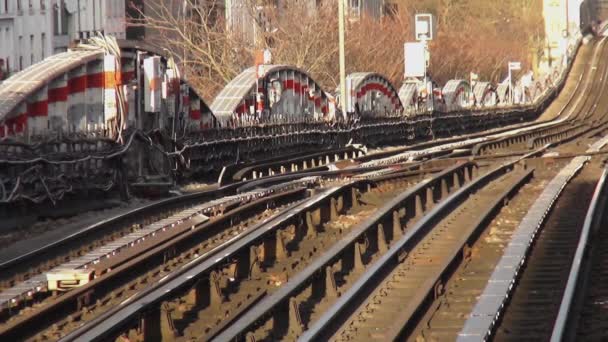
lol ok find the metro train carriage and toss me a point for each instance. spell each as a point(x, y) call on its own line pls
point(83, 94)
point(371, 95)
point(457, 95)
point(485, 94)
point(271, 93)
point(117, 118)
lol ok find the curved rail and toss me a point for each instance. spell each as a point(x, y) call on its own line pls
point(331, 320)
point(112, 321)
point(119, 269)
point(592, 219)
point(107, 225)
point(386, 214)
point(489, 308)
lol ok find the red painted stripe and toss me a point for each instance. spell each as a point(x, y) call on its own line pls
point(318, 102)
point(95, 80)
point(21, 122)
point(173, 86)
point(77, 84)
point(127, 76)
point(58, 94)
point(377, 87)
point(40, 108)
point(288, 84)
point(244, 106)
point(17, 124)
point(195, 114)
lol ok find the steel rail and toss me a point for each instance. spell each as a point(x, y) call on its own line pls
point(519, 137)
point(411, 236)
point(331, 320)
point(437, 142)
point(139, 261)
point(488, 310)
point(108, 324)
point(563, 136)
point(112, 321)
point(107, 224)
point(581, 257)
point(246, 171)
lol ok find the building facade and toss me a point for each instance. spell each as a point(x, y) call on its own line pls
point(562, 21)
point(31, 30)
point(371, 8)
point(25, 27)
point(246, 17)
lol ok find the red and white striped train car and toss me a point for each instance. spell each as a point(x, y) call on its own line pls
point(270, 93)
point(371, 94)
point(76, 92)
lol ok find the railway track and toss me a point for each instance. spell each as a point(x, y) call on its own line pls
point(447, 313)
point(538, 136)
point(582, 310)
point(524, 293)
point(304, 246)
point(271, 273)
point(534, 304)
point(22, 267)
point(23, 280)
point(150, 255)
point(396, 291)
point(113, 236)
point(107, 268)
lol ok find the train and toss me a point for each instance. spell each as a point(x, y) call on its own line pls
point(117, 114)
point(90, 92)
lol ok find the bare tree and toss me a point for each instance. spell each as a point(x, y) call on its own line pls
point(197, 36)
point(473, 35)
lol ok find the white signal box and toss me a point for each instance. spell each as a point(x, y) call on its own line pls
point(415, 57)
point(425, 27)
point(152, 84)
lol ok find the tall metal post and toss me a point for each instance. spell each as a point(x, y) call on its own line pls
point(184, 13)
point(343, 94)
point(511, 86)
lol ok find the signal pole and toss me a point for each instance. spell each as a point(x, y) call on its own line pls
point(342, 57)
